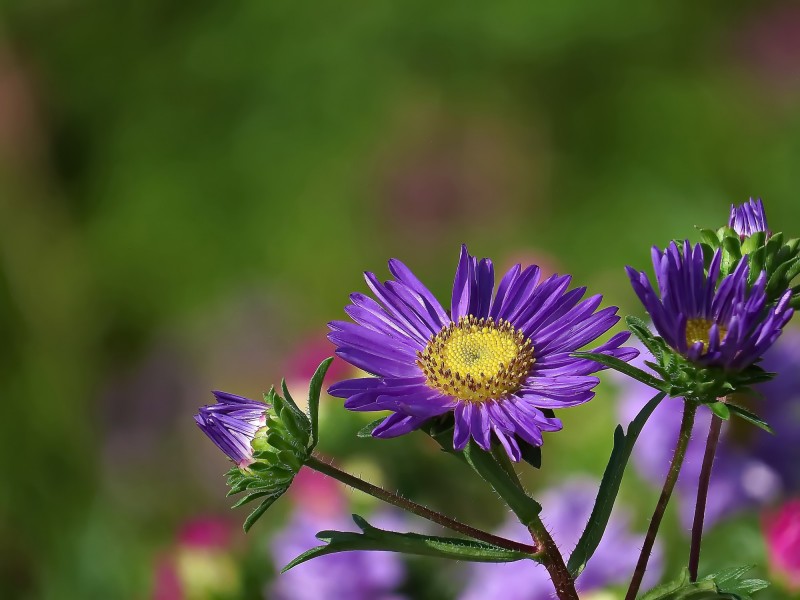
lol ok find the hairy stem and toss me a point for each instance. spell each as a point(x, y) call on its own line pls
point(553, 561)
point(318, 465)
point(689, 410)
point(702, 495)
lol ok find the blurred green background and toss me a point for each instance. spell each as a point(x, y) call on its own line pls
point(189, 191)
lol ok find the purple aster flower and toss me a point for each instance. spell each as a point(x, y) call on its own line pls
point(352, 575)
point(749, 218)
point(497, 361)
point(566, 510)
point(780, 407)
point(729, 326)
point(740, 478)
point(232, 424)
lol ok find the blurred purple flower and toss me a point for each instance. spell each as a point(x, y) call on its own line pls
point(352, 575)
point(566, 510)
point(752, 467)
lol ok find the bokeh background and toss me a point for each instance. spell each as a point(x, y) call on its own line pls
point(189, 191)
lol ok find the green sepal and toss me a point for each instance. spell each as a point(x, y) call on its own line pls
point(731, 254)
point(753, 242)
point(721, 410)
point(724, 585)
point(262, 508)
point(609, 487)
point(314, 390)
point(620, 365)
point(372, 538)
point(288, 398)
point(710, 237)
point(745, 414)
point(366, 430)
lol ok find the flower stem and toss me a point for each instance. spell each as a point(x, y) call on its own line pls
point(318, 465)
point(553, 561)
point(702, 495)
point(689, 410)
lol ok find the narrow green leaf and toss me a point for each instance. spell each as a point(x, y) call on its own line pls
point(620, 365)
point(721, 410)
point(640, 330)
point(750, 417)
point(314, 390)
point(373, 538)
point(609, 487)
point(366, 430)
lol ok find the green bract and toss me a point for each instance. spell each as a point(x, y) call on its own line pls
point(678, 377)
point(280, 448)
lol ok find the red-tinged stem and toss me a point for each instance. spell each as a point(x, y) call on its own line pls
point(702, 495)
point(373, 490)
point(689, 410)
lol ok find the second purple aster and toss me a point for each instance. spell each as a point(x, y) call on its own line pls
point(728, 325)
point(499, 360)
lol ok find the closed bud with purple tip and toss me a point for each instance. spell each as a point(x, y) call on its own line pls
point(232, 424)
point(749, 218)
point(268, 441)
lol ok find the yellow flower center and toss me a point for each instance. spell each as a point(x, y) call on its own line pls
point(698, 330)
point(477, 359)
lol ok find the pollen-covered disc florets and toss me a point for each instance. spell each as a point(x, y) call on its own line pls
point(699, 330)
point(499, 360)
point(477, 359)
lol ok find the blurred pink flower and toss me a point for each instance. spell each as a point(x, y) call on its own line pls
point(313, 492)
point(782, 533)
point(200, 564)
point(770, 43)
point(303, 362)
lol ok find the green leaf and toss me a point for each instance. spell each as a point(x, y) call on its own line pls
point(721, 410)
point(373, 538)
point(725, 585)
point(314, 390)
point(745, 414)
point(620, 365)
point(525, 507)
point(730, 582)
point(366, 430)
point(609, 487)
